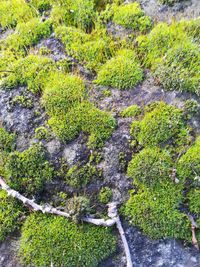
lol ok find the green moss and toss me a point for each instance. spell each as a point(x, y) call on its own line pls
point(7, 141)
point(78, 13)
point(131, 111)
point(157, 214)
point(163, 125)
point(32, 71)
point(189, 164)
point(13, 12)
point(41, 133)
point(180, 68)
point(194, 200)
point(65, 99)
point(152, 47)
point(48, 239)
point(10, 212)
point(92, 50)
point(62, 93)
point(105, 195)
point(41, 5)
point(122, 71)
point(191, 107)
point(131, 16)
point(22, 101)
point(28, 171)
point(169, 2)
point(27, 34)
point(150, 167)
point(79, 176)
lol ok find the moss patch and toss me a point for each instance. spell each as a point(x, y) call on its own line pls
point(122, 71)
point(47, 239)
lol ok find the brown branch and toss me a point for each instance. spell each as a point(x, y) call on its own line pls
point(112, 214)
point(193, 227)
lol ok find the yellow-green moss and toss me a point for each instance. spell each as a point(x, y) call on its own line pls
point(123, 71)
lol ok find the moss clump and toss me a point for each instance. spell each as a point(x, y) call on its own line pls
point(122, 71)
point(157, 214)
point(31, 71)
point(79, 176)
point(41, 133)
point(131, 16)
point(13, 12)
point(189, 164)
point(65, 99)
point(164, 125)
point(10, 212)
point(7, 141)
point(62, 93)
point(48, 239)
point(41, 5)
point(180, 68)
point(152, 47)
point(92, 50)
point(27, 34)
point(78, 13)
point(150, 167)
point(131, 111)
point(194, 200)
point(105, 195)
point(28, 171)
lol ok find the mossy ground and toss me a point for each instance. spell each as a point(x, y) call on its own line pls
point(162, 141)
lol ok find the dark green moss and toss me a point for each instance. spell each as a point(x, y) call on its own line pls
point(28, 171)
point(7, 141)
point(105, 195)
point(50, 240)
point(10, 212)
point(180, 68)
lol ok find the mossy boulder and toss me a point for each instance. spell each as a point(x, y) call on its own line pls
point(123, 71)
point(54, 240)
